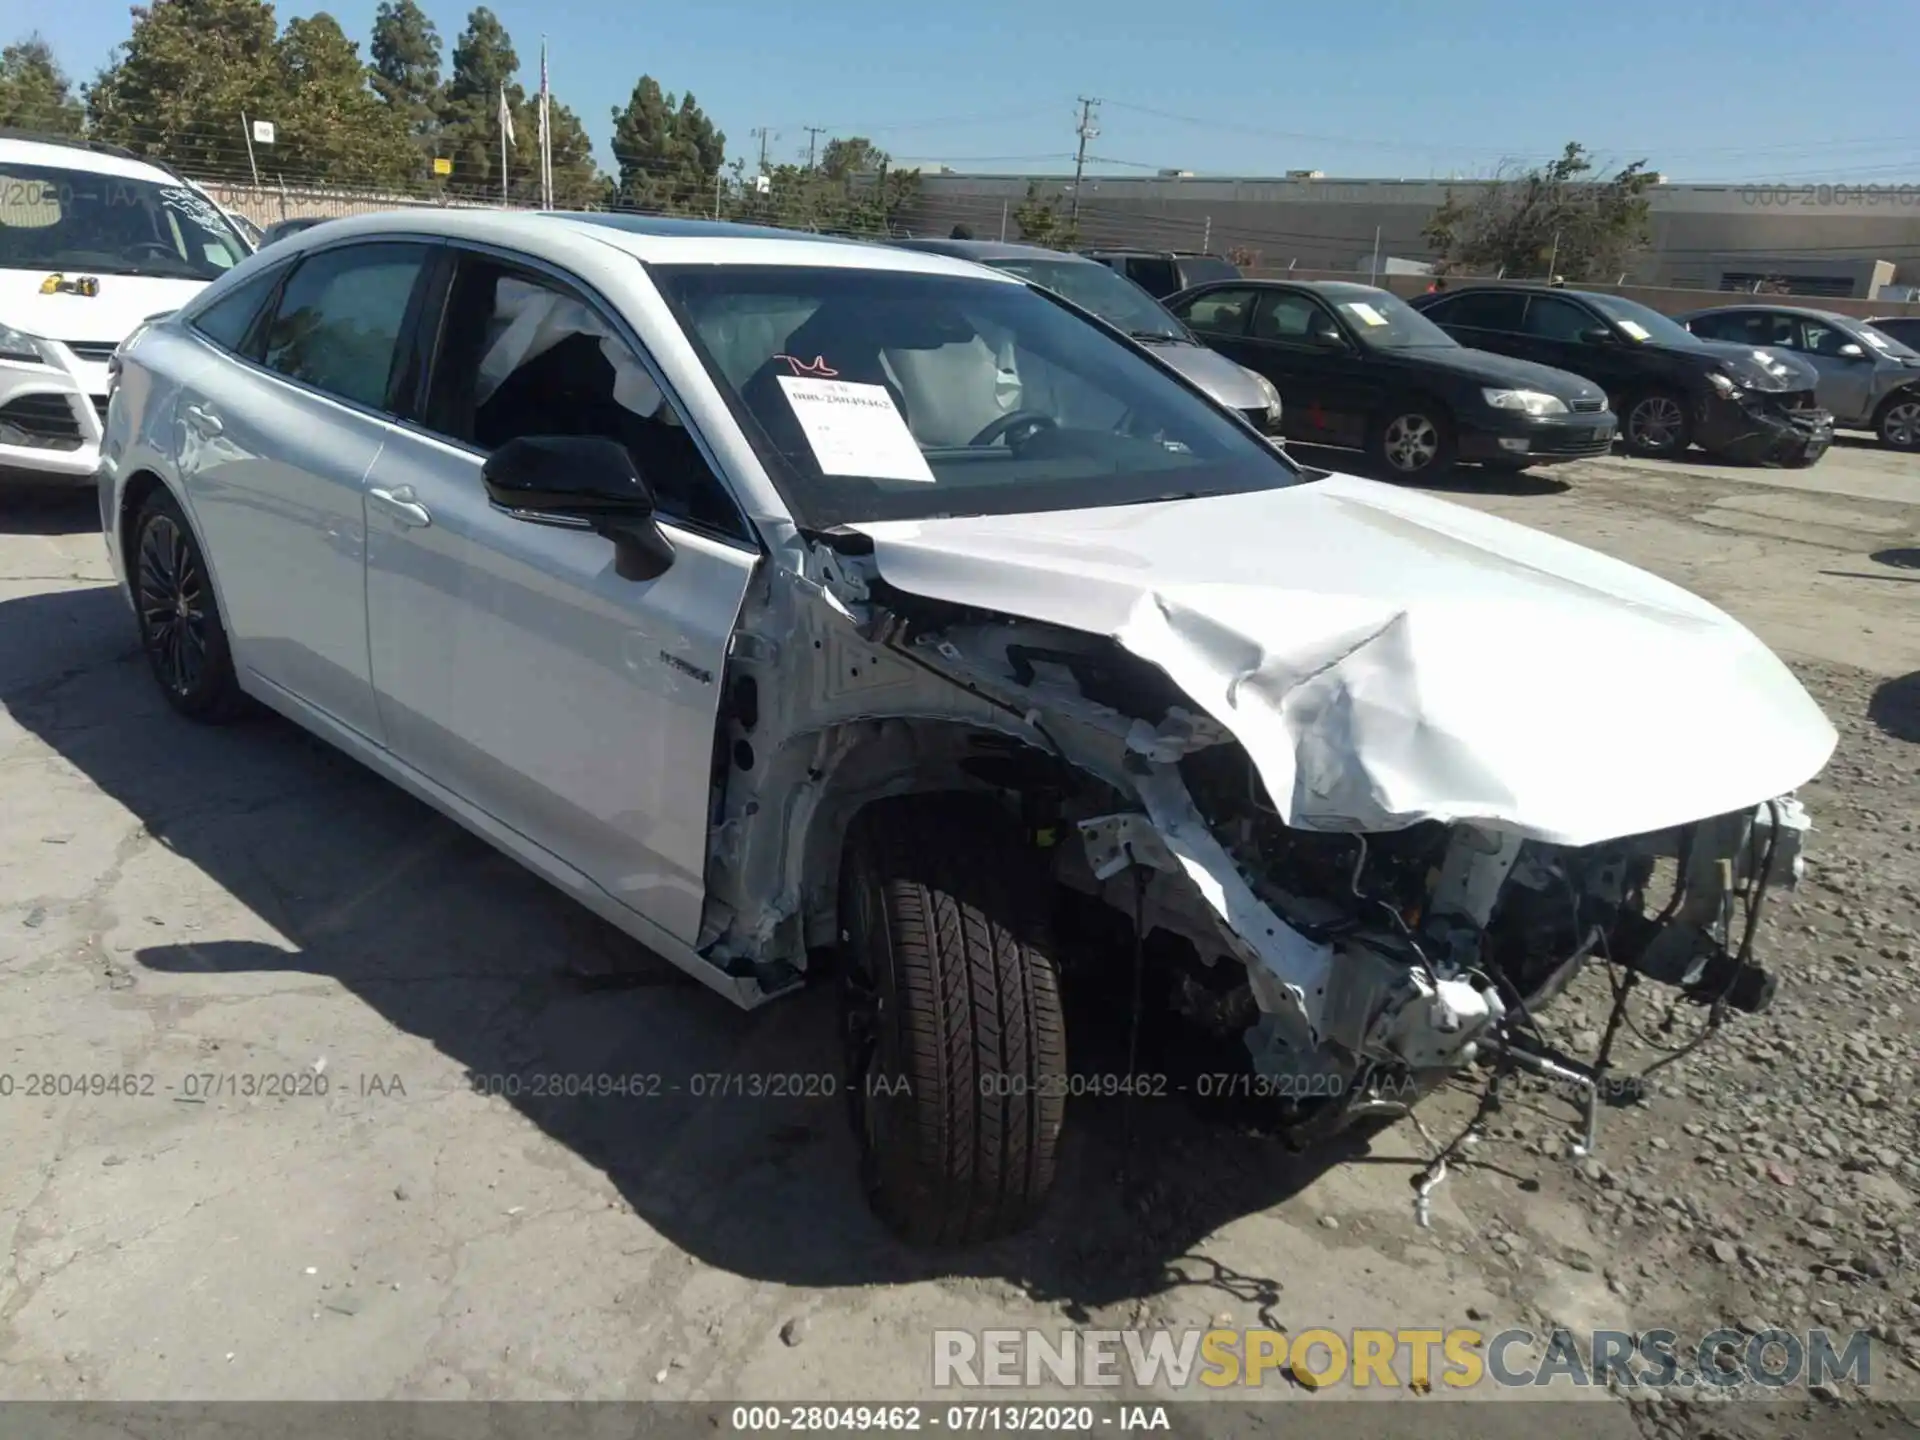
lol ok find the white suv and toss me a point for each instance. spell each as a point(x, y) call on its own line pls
point(92, 242)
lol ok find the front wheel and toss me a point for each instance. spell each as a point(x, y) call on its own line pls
point(950, 1011)
point(1898, 425)
point(1412, 440)
point(1656, 425)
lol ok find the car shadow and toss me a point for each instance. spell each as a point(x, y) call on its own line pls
point(31, 509)
point(1903, 558)
point(1895, 707)
point(1461, 480)
point(450, 941)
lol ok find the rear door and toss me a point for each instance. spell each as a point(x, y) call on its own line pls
point(275, 444)
point(512, 664)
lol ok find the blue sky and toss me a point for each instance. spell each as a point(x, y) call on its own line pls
point(1766, 89)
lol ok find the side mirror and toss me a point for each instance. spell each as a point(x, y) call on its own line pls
point(1598, 335)
point(581, 482)
point(1850, 351)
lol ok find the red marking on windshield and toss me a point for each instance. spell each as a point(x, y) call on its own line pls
point(818, 367)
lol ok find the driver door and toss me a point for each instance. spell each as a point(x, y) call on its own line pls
point(511, 664)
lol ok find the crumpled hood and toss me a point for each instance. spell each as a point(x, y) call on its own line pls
point(1386, 657)
point(1762, 369)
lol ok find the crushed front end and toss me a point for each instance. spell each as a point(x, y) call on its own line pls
point(1765, 427)
point(1426, 946)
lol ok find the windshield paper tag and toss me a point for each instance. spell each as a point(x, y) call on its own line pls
point(1634, 328)
point(855, 429)
point(1367, 313)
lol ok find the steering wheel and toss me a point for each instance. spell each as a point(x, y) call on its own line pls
point(994, 429)
point(160, 245)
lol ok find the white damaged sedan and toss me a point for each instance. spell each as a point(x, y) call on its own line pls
point(787, 600)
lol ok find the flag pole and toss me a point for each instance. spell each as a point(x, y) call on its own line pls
point(546, 134)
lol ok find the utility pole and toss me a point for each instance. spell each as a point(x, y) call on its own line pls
point(763, 133)
point(813, 133)
point(1086, 132)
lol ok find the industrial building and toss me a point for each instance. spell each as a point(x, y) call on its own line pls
point(1841, 240)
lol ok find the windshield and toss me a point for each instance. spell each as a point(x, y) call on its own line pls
point(1641, 324)
point(57, 219)
point(1102, 291)
point(1887, 344)
point(891, 395)
point(1384, 321)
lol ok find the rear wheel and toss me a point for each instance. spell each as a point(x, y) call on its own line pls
point(950, 1010)
point(1898, 424)
point(180, 627)
point(1656, 425)
point(1412, 439)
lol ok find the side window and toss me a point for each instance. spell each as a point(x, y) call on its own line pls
point(229, 322)
point(1219, 312)
point(1152, 274)
point(1289, 317)
point(1499, 310)
point(1550, 318)
point(1824, 339)
point(521, 355)
point(1718, 325)
point(337, 326)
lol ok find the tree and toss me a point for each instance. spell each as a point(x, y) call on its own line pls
point(331, 126)
point(179, 84)
point(469, 108)
point(668, 152)
point(851, 156)
point(1551, 220)
point(484, 64)
point(1041, 222)
point(405, 72)
point(35, 93)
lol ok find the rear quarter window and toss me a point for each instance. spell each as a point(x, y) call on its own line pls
point(231, 320)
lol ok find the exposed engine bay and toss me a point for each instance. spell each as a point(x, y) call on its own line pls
point(1355, 969)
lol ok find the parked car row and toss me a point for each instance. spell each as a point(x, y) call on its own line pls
point(778, 597)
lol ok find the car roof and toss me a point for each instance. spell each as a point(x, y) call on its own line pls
point(981, 251)
point(652, 239)
point(1316, 287)
point(1805, 311)
point(77, 155)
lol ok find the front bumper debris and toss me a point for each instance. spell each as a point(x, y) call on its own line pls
point(1756, 428)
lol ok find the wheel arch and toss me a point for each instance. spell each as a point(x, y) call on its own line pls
point(140, 487)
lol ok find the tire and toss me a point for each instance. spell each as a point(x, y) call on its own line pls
point(1655, 425)
point(1412, 439)
point(1898, 422)
point(180, 629)
point(951, 1019)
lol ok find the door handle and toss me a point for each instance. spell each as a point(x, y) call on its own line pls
point(400, 504)
point(203, 419)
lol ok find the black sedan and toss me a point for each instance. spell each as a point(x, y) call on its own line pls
point(1671, 388)
point(1357, 367)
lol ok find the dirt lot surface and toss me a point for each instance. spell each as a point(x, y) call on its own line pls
point(242, 919)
